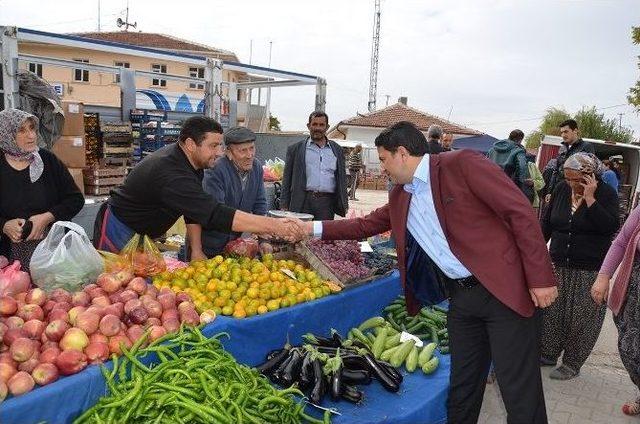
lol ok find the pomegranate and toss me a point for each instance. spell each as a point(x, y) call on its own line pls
point(138, 315)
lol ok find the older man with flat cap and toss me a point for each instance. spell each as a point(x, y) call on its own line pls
point(235, 180)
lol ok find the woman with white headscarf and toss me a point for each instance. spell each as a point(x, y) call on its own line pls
point(580, 221)
point(36, 189)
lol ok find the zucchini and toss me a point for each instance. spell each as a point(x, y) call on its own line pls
point(379, 343)
point(386, 355)
point(358, 335)
point(442, 332)
point(371, 337)
point(426, 353)
point(393, 307)
point(434, 335)
point(400, 355)
point(393, 323)
point(392, 341)
point(412, 360)
point(371, 323)
point(431, 365)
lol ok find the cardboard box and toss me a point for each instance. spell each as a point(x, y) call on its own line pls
point(78, 177)
point(71, 151)
point(73, 118)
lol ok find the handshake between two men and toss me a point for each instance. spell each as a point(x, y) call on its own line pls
point(291, 229)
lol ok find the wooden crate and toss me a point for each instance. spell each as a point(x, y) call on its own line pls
point(98, 190)
point(103, 181)
point(111, 171)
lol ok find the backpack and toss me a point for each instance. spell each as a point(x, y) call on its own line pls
point(510, 167)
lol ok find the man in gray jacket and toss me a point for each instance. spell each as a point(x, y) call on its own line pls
point(315, 177)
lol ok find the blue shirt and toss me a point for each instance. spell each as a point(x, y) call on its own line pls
point(321, 165)
point(610, 178)
point(424, 226)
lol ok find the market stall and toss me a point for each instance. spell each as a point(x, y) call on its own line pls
point(421, 398)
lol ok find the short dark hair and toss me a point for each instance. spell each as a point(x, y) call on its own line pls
point(571, 123)
point(318, 114)
point(403, 134)
point(197, 127)
point(516, 135)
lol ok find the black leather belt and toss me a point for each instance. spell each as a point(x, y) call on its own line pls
point(319, 193)
point(465, 283)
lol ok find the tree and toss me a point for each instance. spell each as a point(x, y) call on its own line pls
point(634, 92)
point(591, 124)
point(274, 123)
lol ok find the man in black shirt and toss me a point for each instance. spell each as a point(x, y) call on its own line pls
point(572, 144)
point(168, 184)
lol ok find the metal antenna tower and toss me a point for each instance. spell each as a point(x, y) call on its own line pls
point(373, 78)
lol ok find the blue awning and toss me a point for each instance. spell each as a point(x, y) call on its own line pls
point(481, 143)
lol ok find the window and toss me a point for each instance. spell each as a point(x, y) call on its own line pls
point(126, 65)
point(81, 74)
point(36, 68)
point(159, 69)
point(195, 72)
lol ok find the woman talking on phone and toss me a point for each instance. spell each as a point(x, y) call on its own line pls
point(580, 221)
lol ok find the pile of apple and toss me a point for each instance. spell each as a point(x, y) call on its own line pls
point(44, 336)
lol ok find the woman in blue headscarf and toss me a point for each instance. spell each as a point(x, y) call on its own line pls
point(36, 189)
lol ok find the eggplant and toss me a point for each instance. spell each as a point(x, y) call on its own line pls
point(380, 373)
point(273, 353)
point(352, 394)
point(306, 371)
point(336, 337)
point(276, 376)
point(356, 376)
point(392, 371)
point(321, 341)
point(272, 363)
point(355, 362)
point(319, 383)
point(292, 369)
point(336, 383)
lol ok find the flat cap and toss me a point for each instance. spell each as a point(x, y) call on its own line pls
point(238, 135)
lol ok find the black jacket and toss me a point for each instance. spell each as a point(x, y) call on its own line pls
point(435, 147)
point(581, 240)
point(294, 180)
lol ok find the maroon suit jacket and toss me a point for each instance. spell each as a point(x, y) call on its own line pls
point(490, 226)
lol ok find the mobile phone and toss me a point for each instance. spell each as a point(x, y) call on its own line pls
point(26, 229)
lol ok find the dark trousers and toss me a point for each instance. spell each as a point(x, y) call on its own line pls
point(320, 205)
point(482, 329)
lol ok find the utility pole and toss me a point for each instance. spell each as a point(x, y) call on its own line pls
point(373, 77)
point(620, 120)
point(387, 96)
point(98, 15)
point(126, 23)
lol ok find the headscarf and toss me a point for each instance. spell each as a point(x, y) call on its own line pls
point(10, 122)
point(587, 163)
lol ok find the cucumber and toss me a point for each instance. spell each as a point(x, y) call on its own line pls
point(393, 307)
point(442, 332)
point(393, 323)
point(371, 337)
point(386, 355)
point(392, 341)
point(426, 353)
point(358, 335)
point(371, 323)
point(434, 335)
point(402, 315)
point(379, 343)
point(400, 355)
point(431, 365)
point(412, 360)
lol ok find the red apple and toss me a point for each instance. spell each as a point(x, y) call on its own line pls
point(171, 325)
point(45, 373)
point(115, 341)
point(12, 335)
point(65, 306)
point(165, 290)
point(131, 305)
point(138, 285)
point(124, 276)
point(101, 301)
point(109, 325)
point(4, 391)
point(8, 305)
point(74, 338)
point(152, 291)
point(154, 308)
point(138, 315)
point(48, 344)
point(56, 330)
point(48, 306)
point(115, 297)
point(22, 349)
point(183, 297)
point(108, 282)
point(128, 295)
point(60, 295)
point(20, 297)
point(20, 383)
point(116, 309)
point(98, 338)
point(135, 332)
point(28, 312)
point(3, 329)
point(7, 371)
point(98, 310)
point(190, 317)
point(71, 361)
point(74, 313)
point(30, 363)
point(80, 299)
point(168, 301)
point(97, 352)
point(6, 358)
point(96, 292)
point(36, 296)
point(89, 287)
point(157, 332)
point(170, 313)
point(153, 321)
point(59, 314)
point(34, 328)
point(88, 322)
point(50, 354)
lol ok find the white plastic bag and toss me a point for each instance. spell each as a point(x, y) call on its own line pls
point(67, 261)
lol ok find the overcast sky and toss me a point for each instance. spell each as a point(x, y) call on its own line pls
point(492, 65)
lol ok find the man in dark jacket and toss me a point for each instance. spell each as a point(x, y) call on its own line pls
point(315, 176)
point(511, 156)
point(434, 137)
point(235, 180)
point(572, 144)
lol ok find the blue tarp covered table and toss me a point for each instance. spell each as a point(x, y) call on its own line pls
point(421, 398)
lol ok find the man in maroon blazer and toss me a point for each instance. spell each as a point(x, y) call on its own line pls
point(475, 235)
